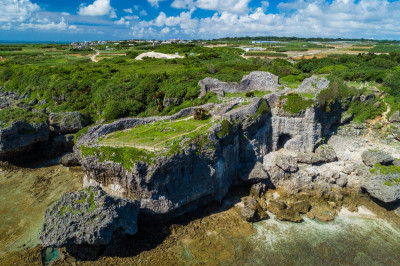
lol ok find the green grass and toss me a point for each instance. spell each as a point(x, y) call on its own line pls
point(126, 156)
point(8, 116)
point(385, 48)
point(259, 94)
point(155, 133)
point(268, 54)
point(290, 81)
point(387, 170)
point(295, 103)
point(80, 133)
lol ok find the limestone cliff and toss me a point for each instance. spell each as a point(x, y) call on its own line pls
point(172, 184)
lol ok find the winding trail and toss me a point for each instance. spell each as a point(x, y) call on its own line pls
point(93, 57)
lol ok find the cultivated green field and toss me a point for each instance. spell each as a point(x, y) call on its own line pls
point(155, 134)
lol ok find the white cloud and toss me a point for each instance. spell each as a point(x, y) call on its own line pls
point(98, 8)
point(143, 13)
point(165, 30)
point(155, 3)
point(52, 26)
point(312, 18)
point(134, 17)
point(128, 10)
point(65, 14)
point(122, 21)
point(233, 6)
point(16, 10)
point(264, 6)
point(6, 26)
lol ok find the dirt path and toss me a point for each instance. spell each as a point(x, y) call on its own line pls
point(93, 57)
point(384, 114)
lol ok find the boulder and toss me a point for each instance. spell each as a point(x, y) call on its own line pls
point(369, 98)
point(68, 122)
point(323, 154)
point(70, 160)
point(279, 166)
point(216, 86)
point(313, 85)
point(258, 189)
point(370, 158)
point(260, 81)
point(282, 212)
point(257, 80)
point(377, 105)
point(252, 211)
point(89, 216)
point(322, 212)
point(346, 117)
point(395, 130)
point(383, 187)
point(342, 181)
point(301, 206)
point(395, 117)
point(290, 215)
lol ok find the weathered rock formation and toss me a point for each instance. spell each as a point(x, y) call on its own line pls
point(313, 85)
point(384, 181)
point(370, 158)
point(67, 122)
point(257, 80)
point(89, 216)
point(20, 137)
point(252, 211)
point(21, 141)
point(174, 184)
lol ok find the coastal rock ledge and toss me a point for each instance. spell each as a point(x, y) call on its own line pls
point(89, 216)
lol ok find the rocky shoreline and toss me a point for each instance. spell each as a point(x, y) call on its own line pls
point(313, 163)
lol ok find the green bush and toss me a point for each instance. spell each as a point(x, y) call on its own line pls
point(337, 91)
point(10, 115)
point(364, 111)
point(262, 108)
point(200, 114)
point(225, 129)
point(249, 94)
point(295, 103)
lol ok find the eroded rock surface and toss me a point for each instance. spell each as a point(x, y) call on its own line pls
point(19, 138)
point(89, 216)
point(67, 122)
point(313, 85)
point(257, 80)
point(371, 157)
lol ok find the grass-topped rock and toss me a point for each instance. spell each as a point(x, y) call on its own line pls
point(384, 184)
point(10, 115)
point(294, 103)
point(67, 122)
point(89, 216)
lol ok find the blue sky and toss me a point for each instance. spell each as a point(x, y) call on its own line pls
point(79, 20)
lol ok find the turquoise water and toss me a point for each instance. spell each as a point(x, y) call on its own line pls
point(50, 255)
point(345, 241)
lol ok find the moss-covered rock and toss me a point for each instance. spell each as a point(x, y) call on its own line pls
point(88, 216)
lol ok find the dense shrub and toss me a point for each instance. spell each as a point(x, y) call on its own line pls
point(294, 103)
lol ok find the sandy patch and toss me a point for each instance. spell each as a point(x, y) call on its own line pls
point(362, 212)
point(157, 55)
